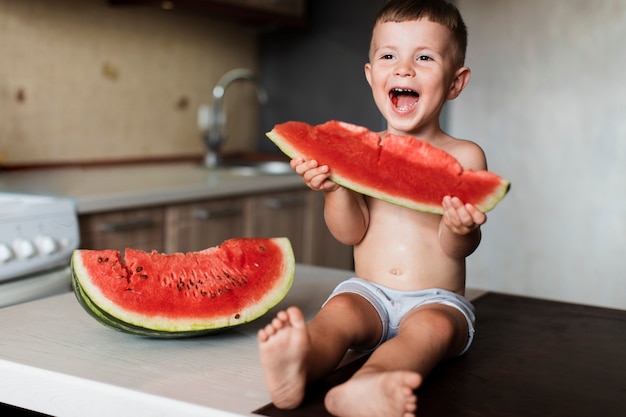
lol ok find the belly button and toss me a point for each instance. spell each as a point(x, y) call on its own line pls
point(395, 271)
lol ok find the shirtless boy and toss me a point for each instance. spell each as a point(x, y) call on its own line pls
point(407, 304)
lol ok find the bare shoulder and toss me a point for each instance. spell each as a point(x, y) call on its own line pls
point(469, 154)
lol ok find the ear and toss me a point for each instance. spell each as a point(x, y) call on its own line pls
point(461, 79)
point(368, 73)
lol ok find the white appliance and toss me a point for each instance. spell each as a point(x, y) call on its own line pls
point(37, 237)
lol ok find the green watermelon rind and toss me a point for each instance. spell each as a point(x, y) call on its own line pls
point(111, 322)
point(113, 316)
point(114, 323)
point(485, 206)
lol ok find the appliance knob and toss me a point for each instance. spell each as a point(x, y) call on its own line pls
point(24, 248)
point(45, 244)
point(6, 254)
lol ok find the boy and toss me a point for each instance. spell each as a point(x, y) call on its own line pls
point(407, 304)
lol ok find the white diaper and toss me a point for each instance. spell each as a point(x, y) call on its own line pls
point(392, 305)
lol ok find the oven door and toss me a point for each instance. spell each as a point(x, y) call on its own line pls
point(42, 284)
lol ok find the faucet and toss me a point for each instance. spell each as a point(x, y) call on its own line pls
point(215, 136)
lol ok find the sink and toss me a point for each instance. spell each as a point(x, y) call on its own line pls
point(248, 169)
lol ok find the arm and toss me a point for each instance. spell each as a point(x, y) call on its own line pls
point(345, 211)
point(459, 230)
point(346, 215)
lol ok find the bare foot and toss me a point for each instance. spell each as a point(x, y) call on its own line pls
point(375, 394)
point(284, 344)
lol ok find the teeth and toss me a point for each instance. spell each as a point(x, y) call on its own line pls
point(398, 91)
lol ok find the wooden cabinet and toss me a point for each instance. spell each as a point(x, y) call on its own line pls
point(296, 214)
point(200, 225)
point(293, 8)
point(325, 249)
point(260, 13)
point(282, 214)
point(137, 228)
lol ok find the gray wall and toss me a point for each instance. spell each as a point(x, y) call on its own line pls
point(547, 101)
point(316, 75)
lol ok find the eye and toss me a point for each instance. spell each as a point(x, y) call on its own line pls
point(386, 56)
point(424, 58)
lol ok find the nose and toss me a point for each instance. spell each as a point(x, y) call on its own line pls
point(404, 69)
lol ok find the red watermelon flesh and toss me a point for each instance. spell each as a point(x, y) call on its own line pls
point(399, 169)
point(165, 295)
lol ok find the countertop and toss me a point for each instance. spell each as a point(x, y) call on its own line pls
point(97, 189)
point(57, 360)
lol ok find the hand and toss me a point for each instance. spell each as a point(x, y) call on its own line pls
point(315, 176)
point(461, 218)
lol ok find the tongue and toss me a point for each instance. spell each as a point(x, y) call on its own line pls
point(405, 101)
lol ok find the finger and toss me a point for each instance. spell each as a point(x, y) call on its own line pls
point(312, 173)
point(295, 162)
point(464, 216)
point(451, 218)
point(452, 205)
point(321, 182)
point(478, 216)
point(304, 166)
point(467, 214)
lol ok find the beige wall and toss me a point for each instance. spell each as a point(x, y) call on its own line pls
point(81, 81)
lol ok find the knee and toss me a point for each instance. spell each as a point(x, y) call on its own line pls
point(354, 317)
point(347, 303)
point(445, 324)
point(439, 320)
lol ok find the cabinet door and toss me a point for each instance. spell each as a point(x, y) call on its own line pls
point(280, 215)
point(327, 251)
point(137, 229)
point(295, 8)
point(197, 226)
point(262, 13)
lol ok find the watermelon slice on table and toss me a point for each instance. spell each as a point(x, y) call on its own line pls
point(183, 294)
point(402, 170)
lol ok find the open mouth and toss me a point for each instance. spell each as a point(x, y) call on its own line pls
point(403, 99)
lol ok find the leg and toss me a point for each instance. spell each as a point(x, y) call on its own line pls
point(294, 353)
point(385, 383)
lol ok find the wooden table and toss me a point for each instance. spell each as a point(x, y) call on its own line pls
point(530, 358)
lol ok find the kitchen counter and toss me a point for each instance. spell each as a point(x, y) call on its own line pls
point(57, 360)
point(99, 189)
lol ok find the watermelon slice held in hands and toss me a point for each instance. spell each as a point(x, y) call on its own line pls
point(183, 294)
point(403, 170)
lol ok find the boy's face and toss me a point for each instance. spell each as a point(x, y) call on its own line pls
point(412, 74)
